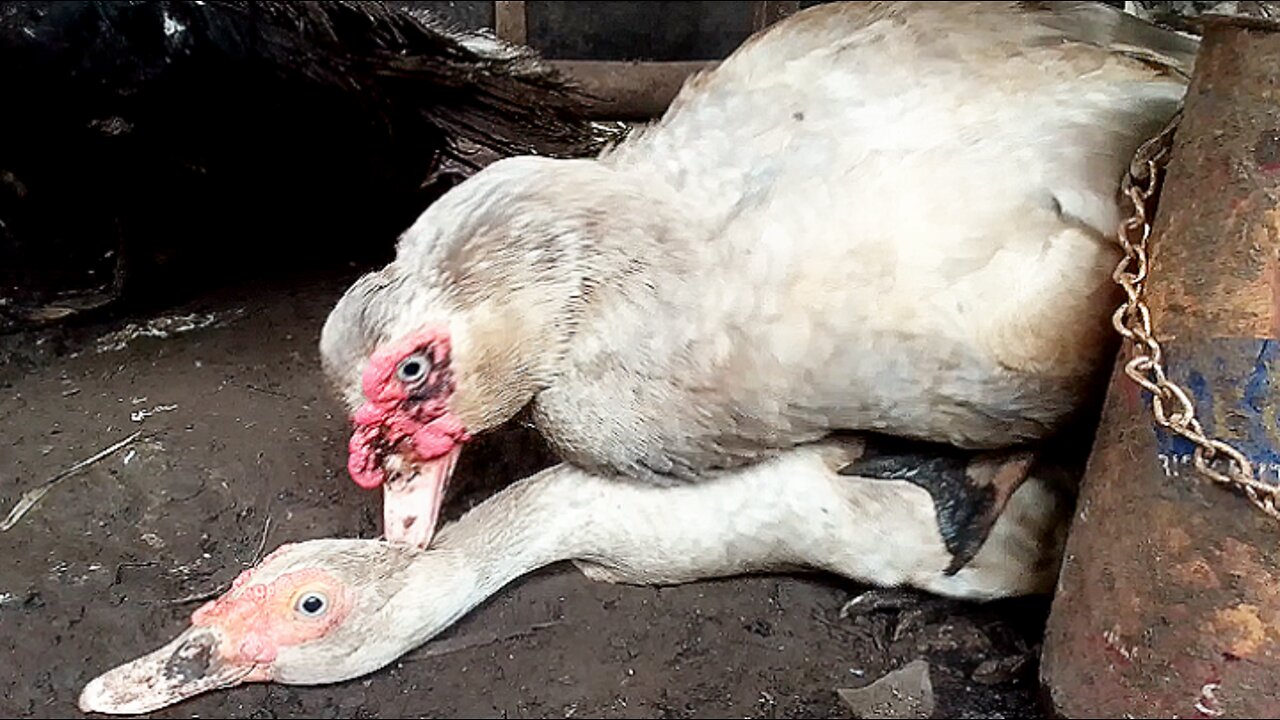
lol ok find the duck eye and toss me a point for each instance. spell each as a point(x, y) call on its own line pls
point(313, 604)
point(412, 369)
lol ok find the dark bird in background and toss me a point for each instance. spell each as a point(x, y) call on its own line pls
point(152, 144)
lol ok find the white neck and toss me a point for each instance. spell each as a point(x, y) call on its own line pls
point(791, 513)
point(788, 513)
point(628, 532)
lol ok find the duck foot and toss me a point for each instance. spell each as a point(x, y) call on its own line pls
point(969, 488)
point(880, 600)
point(915, 609)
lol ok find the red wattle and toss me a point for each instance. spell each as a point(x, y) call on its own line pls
point(362, 463)
point(438, 437)
point(368, 414)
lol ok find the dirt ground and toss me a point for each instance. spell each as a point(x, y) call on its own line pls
point(240, 435)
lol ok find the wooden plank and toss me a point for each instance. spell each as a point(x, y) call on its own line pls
point(511, 21)
point(630, 90)
point(766, 13)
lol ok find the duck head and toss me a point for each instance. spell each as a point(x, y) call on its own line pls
point(470, 321)
point(308, 614)
point(407, 435)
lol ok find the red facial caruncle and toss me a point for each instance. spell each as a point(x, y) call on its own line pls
point(258, 620)
point(406, 439)
point(407, 386)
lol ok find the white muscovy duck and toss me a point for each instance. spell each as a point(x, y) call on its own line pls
point(892, 217)
point(329, 610)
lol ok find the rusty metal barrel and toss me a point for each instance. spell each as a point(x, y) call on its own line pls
point(1168, 603)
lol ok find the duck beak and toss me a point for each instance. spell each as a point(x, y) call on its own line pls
point(411, 500)
point(193, 663)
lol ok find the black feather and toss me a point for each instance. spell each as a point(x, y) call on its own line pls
point(222, 130)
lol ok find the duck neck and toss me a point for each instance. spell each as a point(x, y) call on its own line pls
point(626, 532)
point(533, 523)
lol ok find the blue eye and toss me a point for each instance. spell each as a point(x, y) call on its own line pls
point(412, 369)
point(313, 604)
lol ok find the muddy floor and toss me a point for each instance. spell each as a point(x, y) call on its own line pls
point(242, 448)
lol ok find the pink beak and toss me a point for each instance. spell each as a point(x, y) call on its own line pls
point(411, 501)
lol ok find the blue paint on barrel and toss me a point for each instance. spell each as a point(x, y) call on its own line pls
point(1256, 390)
point(1230, 382)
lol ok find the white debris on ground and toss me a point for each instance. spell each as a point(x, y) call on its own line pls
point(140, 415)
point(163, 327)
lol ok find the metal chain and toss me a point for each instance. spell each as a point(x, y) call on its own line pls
point(1170, 404)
